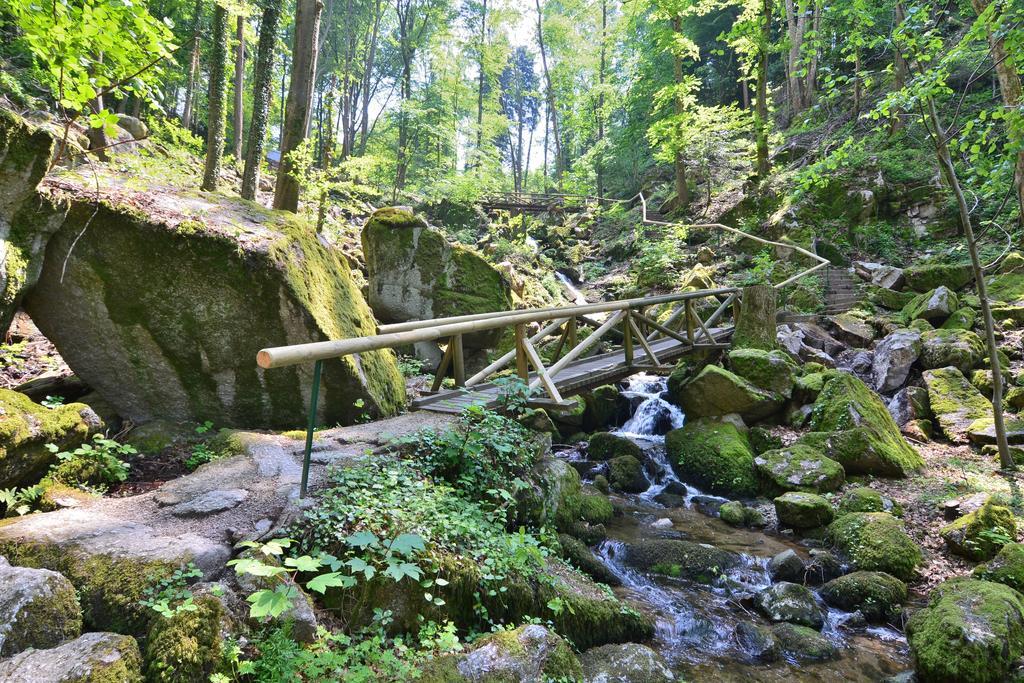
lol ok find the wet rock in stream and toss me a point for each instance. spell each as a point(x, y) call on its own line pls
point(790, 602)
point(683, 559)
point(625, 663)
point(758, 642)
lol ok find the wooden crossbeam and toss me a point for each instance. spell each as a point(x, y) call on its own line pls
point(542, 372)
point(652, 358)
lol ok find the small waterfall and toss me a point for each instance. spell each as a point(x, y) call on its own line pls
point(653, 416)
point(574, 294)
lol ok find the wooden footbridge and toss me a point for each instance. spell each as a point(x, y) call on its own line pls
point(536, 203)
point(556, 349)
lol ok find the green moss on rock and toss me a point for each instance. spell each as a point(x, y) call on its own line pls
point(186, 647)
point(971, 632)
point(954, 402)
point(802, 510)
point(876, 541)
point(877, 595)
point(25, 429)
point(979, 535)
point(714, 455)
point(798, 468)
point(863, 437)
point(803, 642)
point(926, 277)
point(626, 473)
point(716, 391)
point(686, 559)
point(606, 446)
point(864, 499)
point(961, 349)
point(769, 370)
point(962, 319)
point(1007, 567)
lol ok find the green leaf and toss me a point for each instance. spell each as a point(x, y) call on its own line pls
point(363, 539)
point(331, 580)
point(303, 564)
point(408, 544)
point(271, 603)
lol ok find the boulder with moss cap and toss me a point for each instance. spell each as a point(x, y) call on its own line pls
point(857, 431)
point(90, 658)
point(955, 402)
point(876, 541)
point(415, 273)
point(715, 455)
point(979, 535)
point(27, 427)
point(971, 632)
point(876, 595)
point(38, 609)
point(716, 392)
point(961, 349)
point(1007, 567)
point(798, 467)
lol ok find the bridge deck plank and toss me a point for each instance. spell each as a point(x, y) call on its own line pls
point(584, 374)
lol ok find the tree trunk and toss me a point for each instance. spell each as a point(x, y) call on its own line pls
point(811, 79)
point(857, 84)
point(681, 187)
point(216, 121)
point(1010, 87)
point(480, 87)
point(263, 74)
point(300, 99)
point(239, 120)
point(193, 68)
point(761, 102)
point(755, 328)
point(553, 111)
point(600, 100)
point(401, 159)
point(939, 137)
point(364, 131)
point(796, 25)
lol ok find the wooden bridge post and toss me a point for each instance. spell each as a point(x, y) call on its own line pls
point(627, 337)
point(458, 360)
point(571, 328)
point(522, 367)
point(690, 322)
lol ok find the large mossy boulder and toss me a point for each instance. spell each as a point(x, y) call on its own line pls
point(955, 402)
point(38, 609)
point(876, 595)
point(714, 455)
point(90, 658)
point(163, 312)
point(626, 473)
point(971, 632)
point(189, 645)
point(876, 541)
point(528, 653)
point(1007, 567)
point(983, 431)
point(961, 349)
point(926, 277)
point(798, 467)
point(772, 371)
point(25, 224)
point(605, 407)
point(27, 427)
point(606, 446)
point(800, 510)
point(716, 392)
point(625, 663)
point(803, 643)
point(934, 306)
point(1006, 287)
point(415, 273)
point(685, 559)
point(979, 535)
point(859, 432)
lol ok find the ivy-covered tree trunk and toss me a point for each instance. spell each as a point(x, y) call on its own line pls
point(239, 113)
point(755, 328)
point(193, 67)
point(552, 110)
point(216, 122)
point(1009, 83)
point(761, 98)
point(300, 99)
point(263, 75)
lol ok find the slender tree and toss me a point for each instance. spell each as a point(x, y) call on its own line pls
point(193, 66)
point(263, 76)
point(239, 112)
point(300, 99)
point(218, 85)
point(552, 109)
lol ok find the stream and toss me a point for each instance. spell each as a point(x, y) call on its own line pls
point(696, 623)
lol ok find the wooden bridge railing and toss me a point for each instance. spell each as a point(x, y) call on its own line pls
point(631, 318)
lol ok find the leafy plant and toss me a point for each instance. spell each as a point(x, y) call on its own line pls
point(513, 395)
point(53, 401)
point(98, 463)
point(171, 595)
point(20, 501)
point(201, 454)
point(410, 366)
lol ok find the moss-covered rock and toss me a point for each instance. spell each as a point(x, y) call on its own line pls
point(983, 431)
point(686, 368)
point(772, 371)
point(876, 541)
point(714, 455)
point(90, 658)
point(961, 349)
point(732, 513)
point(790, 602)
point(1006, 287)
point(889, 298)
point(803, 643)
point(864, 499)
point(1007, 567)
point(934, 306)
point(979, 535)
point(27, 427)
point(961, 319)
point(798, 468)
point(971, 632)
point(762, 440)
point(802, 510)
point(25, 153)
point(38, 609)
point(862, 435)
point(954, 402)
point(606, 446)
point(686, 559)
point(114, 310)
point(626, 473)
point(576, 553)
point(625, 663)
point(415, 273)
point(187, 647)
point(926, 277)
point(605, 407)
point(528, 653)
point(716, 391)
point(877, 595)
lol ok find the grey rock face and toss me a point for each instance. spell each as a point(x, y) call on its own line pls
point(792, 603)
point(893, 359)
point(89, 658)
point(625, 663)
point(38, 609)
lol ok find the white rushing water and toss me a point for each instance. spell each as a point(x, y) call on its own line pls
point(570, 289)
